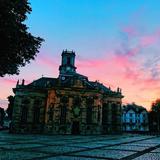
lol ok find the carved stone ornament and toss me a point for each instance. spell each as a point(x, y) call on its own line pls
point(76, 111)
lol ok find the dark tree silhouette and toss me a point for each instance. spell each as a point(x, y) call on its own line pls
point(17, 45)
point(2, 115)
point(10, 106)
point(155, 109)
point(156, 106)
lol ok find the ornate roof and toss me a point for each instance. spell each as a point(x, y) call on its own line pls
point(44, 82)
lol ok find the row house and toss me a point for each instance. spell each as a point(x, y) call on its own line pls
point(134, 118)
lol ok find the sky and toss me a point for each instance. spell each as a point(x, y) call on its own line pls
point(116, 42)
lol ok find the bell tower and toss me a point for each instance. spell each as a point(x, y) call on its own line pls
point(68, 62)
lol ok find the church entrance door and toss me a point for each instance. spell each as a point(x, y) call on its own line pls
point(75, 127)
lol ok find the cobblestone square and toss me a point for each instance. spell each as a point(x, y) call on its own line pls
point(70, 147)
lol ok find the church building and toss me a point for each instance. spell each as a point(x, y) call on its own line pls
point(69, 104)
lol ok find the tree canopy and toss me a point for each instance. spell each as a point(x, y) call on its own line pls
point(17, 45)
point(156, 105)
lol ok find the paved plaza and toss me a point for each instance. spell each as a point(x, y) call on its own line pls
point(69, 147)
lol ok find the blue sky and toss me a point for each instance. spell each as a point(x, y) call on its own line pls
point(89, 25)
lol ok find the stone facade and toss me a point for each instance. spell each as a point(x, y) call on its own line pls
point(69, 104)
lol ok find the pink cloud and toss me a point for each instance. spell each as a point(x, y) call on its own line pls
point(130, 30)
point(3, 103)
point(48, 61)
point(12, 81)
point(148, 40)
point(124, 72)
point(8, 80)
point(114, 70)
point(143, 39)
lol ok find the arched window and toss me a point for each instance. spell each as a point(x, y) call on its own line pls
point(36, 111)
point(24, 110)
point(63, 114)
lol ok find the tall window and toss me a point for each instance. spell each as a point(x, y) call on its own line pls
point(89, 114)
point(24, 110)
point(63, 114)
point(105, 113)
point(68, 60)
point(89, 109)
point(114, 113)
point(36, 111)
point(50, 112)
point(99, 114)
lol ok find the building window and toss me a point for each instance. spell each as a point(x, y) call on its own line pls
point(64, 99)
point(63, 114)
point(77, 101)
point(24, 111)
point(105, 113)
point(144, 116)
point(89, 115)
point(99, 114)
point(68, 60)
point(130, 114)
point(89, 109)
point(36, 111)
point(50, 112)
point(24, 114)
point(114, 113)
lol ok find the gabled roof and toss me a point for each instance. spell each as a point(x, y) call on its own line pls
point(43, 82)
point(100, 86)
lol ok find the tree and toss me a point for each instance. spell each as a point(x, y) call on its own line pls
point(10, 106)
point(156, 106)
point(17, 46)
point(155, 109)
point(2, 115)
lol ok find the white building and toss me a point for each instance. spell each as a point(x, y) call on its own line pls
point(135, 118)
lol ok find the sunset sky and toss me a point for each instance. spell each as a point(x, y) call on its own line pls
point(116, 42)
